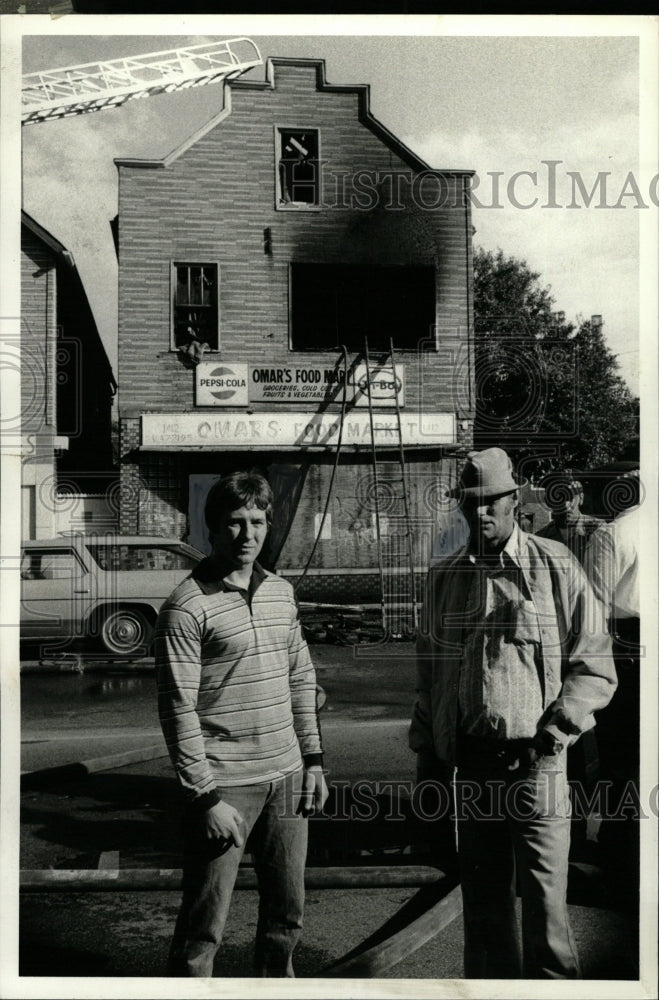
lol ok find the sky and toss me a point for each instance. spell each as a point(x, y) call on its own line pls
point(497, 105)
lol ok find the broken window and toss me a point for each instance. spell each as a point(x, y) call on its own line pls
point(334, 304)
point(195, 312)
point(298, 172)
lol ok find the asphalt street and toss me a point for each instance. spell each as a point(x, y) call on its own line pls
point(69, 716)
point(127, 934)
point(125, 817)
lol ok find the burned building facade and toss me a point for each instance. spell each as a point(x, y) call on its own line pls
point(266, 268)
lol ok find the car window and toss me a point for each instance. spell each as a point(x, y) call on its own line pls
point(142, 557)
point(56, 564)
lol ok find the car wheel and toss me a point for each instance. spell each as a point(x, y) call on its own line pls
point(126, 632)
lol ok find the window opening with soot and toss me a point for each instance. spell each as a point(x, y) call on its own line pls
point(195, 306)
point(298, 175)
point(334, 304)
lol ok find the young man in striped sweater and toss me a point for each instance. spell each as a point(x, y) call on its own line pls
point(237, 705)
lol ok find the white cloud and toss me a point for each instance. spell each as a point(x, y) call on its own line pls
point(588, 255)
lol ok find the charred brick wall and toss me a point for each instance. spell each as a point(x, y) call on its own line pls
point(212, 203)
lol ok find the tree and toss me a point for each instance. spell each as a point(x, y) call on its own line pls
point(549, 392)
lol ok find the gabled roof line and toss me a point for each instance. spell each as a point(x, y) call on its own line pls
point(47, 238)
point(363, 91)
point(185, 145)
point(60, 251)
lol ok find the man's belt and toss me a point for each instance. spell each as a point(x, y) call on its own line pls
point(479, 751)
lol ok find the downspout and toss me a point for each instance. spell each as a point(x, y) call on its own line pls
point(468, 228)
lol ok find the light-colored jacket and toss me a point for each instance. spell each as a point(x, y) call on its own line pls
point(578, 674)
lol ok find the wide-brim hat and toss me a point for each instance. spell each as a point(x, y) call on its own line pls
point(487, 473)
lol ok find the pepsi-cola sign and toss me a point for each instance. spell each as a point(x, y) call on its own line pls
point(221, 384)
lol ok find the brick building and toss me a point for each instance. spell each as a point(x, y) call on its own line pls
point(294, 223)
point(67, 386)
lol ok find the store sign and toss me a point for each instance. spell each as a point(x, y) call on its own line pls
point(292, 430)
point(384, 386)
point(221, 384)
point(236, 385)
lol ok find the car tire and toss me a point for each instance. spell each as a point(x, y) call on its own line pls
point(126, 632)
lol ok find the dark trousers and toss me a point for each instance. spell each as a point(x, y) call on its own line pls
point(618, 740)
point(278, 840)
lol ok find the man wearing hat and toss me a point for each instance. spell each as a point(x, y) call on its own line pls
point(569, 525)
point(507, 679)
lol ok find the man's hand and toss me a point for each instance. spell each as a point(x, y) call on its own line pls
point(223, 822)
point(527, 758)
point(313, 795)
point(544, 744)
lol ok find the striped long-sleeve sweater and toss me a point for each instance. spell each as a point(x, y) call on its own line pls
point(236, 685)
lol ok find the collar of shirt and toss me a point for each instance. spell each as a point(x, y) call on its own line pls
point(509, 553)
point(207, 572)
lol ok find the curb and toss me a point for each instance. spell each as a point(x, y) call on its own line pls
point(46, 776)
point(82, 665)
point(169, 879)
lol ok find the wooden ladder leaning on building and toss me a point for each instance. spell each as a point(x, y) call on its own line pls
point(398, 599)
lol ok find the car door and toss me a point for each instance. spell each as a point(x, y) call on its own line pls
point(55, 592)
point(141, 573)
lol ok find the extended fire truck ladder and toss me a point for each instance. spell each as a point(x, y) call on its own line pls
point(97, 86)
point(394, 538)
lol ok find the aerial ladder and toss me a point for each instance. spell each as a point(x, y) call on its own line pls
point(395, 545)
point(97, 86)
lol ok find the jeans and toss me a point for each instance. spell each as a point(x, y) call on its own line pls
point(278, 841)
point(514, 834)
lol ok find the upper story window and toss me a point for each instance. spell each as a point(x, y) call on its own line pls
point(195, 315)
point(334, 304)
point(298, 168)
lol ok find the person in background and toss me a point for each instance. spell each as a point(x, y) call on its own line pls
point(569, 525)
point(237, 706)
point(507, 679)
point(612, 565)
point(564, 496)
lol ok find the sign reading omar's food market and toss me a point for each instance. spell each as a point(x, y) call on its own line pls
point(239, 384)
point(277, 429)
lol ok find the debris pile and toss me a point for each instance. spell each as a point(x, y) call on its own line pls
point(350, 624)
